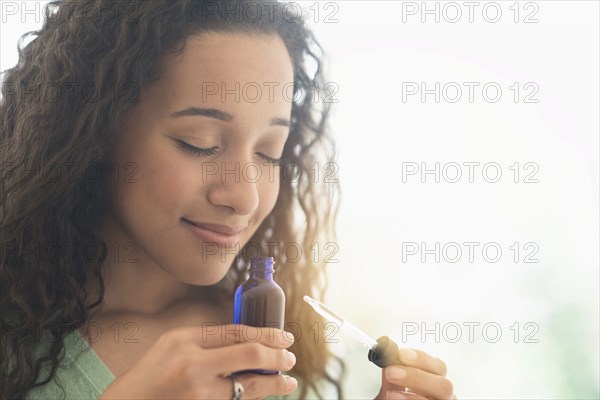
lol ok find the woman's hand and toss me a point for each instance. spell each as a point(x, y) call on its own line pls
point(421, 377)
point(192, 363)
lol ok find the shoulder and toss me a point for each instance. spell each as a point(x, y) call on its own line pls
point(80, 375)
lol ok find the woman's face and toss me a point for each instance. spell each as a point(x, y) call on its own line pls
point(225, 92)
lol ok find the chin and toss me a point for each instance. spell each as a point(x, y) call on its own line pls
point(206, 274)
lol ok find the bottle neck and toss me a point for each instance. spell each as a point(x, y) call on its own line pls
point(256, 274)
point(261, 268)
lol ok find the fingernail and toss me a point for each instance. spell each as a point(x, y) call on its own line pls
point(396, 373)
point(391, 395)
point(408, 354)
point(291, 382)
point(291, 358)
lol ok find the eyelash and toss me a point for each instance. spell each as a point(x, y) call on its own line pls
point(197, 151)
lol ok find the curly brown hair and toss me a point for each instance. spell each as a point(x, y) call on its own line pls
point(115, 48)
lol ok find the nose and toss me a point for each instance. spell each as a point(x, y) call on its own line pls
point(234, 188)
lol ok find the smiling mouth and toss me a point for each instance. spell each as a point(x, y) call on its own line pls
point(228, 240)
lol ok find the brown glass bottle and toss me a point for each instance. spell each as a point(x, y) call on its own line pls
point(260, 301)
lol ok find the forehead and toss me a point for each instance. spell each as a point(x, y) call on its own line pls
point(227, 61)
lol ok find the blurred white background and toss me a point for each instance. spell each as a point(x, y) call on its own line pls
point(547, 311)
point(379, 51)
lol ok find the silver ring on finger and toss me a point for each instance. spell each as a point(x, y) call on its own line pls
point(238, 389)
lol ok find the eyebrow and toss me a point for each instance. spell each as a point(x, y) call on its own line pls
point(221, 115)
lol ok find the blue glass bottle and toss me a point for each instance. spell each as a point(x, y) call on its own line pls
point(259, 302)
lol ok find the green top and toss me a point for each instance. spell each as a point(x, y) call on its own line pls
point(84, 375)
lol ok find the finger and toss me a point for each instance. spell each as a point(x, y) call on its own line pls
point(396, 395)
point(410, 392)
point(420, 359)
point(420, 381)
point(240, 333)
point(243, 356)
point(211, 336)
point(386, 385)
point(261, 386)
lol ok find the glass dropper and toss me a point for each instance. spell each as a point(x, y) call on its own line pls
point(348, 327)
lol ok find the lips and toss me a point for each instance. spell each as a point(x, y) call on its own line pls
point(227, 236)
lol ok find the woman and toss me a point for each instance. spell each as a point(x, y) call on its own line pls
point(160, 133)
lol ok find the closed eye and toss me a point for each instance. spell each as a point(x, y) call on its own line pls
point(188, 148)
point(274, 161)
point(198, 151)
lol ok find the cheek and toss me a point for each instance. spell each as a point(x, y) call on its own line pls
point(170, 181)
point(162, 184)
